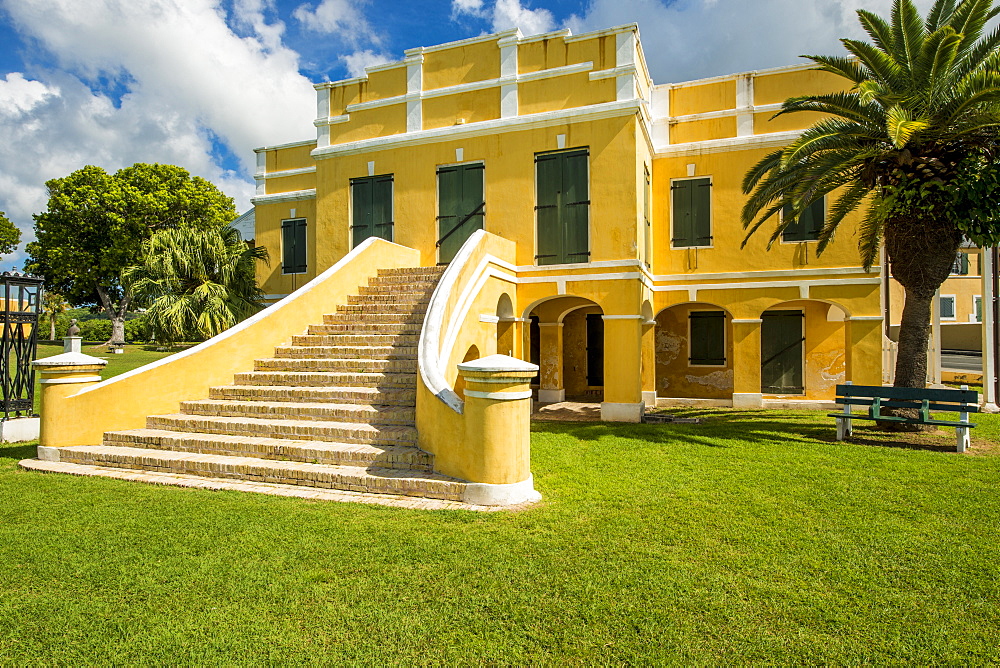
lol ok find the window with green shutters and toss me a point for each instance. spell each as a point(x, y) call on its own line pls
point(563, 207)
point(809, 224)
point(961, 264)
point(707, 338)
point(461, 207)
point(692, 212)
point(293, 246)
point(371, 201)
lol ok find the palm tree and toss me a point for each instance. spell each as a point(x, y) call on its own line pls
point(912, 140)
point(55, 305)
point(196, 283)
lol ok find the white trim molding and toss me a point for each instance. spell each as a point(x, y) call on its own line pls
point(275, 198)
point(487, 494)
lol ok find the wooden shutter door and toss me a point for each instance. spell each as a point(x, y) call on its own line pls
point(576, 207)
point(300, 246)
point(681, 193)
point(781, 352)
point(549, 182)
point(701, 214)
point(382, 208)
point(361, 200)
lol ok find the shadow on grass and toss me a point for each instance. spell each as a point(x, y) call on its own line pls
point(17, 451)
point(721, 426)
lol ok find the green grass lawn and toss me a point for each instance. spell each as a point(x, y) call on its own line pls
point(750, 538)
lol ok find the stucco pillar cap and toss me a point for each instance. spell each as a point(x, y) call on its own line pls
point(68, 360)
point(498, 364)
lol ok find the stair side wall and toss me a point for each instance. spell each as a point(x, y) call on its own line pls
point(123, 402)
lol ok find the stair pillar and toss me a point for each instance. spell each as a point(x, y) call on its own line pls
point(63, 375)
point(497, 416)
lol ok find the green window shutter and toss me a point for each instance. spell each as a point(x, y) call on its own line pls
point(576, 204)
point(961, 264)
point(701, 217)
point(371, 199)
point(382, 222)
point(692, 212)
point(563, 207)
point(549, 182)
point(708, 338)
point(293, 246)
point(361, 201)
point(647, 214)
point(809, 224)
point(461, 207)
point(947, 307)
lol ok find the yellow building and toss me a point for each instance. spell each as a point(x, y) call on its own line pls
point(480, 212)
point(622, 197)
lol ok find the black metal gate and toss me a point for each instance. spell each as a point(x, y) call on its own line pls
point(22, 303)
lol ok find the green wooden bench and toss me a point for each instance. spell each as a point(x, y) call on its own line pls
point(877, 399)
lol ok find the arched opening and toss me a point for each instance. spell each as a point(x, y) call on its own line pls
point(566, 341)
point(694, 352)
point(471, 354)
point(505, 325)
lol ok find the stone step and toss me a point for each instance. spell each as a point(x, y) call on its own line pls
point(405, 291)
point(349, 352)
point(394, 297)
point(435, 270)
point(303, 430)
point(412, 283)
point(373, 318)
point(372, 396)
point(355, 478)
point(367, 327)
point(333, 364)
point(407, 340)
point(316, 452)
point(288, 410)
point(382, 308)
point(405, 381)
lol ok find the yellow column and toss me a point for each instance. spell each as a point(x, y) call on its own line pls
point(61, 376)
point(649, 363)
point(622, 369)
point(864, 341)
point(746, 363)
point(497, 416)
point(550, 358)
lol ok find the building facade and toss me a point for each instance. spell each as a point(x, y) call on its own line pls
point(620, 198)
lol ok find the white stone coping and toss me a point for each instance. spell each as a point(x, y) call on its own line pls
point(498, 364)
point(69, 359)
point(486, 494)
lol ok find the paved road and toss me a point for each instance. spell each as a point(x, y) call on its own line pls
point(961, 362)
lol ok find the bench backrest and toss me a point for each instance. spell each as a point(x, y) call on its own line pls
point(907, 397)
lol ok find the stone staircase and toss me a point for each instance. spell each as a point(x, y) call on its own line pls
point(329, 416)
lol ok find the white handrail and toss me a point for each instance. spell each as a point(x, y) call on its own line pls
point(429, 351)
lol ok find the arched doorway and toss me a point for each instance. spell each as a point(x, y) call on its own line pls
point(567, 343)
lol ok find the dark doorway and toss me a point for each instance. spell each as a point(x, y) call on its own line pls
point(595, 349)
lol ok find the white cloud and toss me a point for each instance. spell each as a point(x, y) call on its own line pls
point(357, 62)
point(188, 79)
point(507, 14)
point(341, 17)
point(696, 38)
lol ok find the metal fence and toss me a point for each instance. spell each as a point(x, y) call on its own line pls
point(22, 304)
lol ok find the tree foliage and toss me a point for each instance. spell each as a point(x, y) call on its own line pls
point(95, 224)
point(912, 141)
point(10, 236)
point(195, 283)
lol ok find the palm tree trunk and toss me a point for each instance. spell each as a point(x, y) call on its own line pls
point(914, 331)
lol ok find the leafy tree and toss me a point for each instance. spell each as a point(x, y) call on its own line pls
point(10, 236)
point(95, 224)
point(914, 140)
point(196, 283)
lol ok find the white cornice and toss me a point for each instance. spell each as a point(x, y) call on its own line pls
point(294, 144)
point(287, 172)
point(768, 140)
point(517, 123)
point(721, 113)
point(469, 87)
point(276, 198)
point(607, 32)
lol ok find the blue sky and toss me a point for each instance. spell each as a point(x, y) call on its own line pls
point(201, 83)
